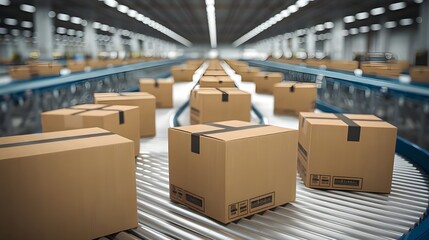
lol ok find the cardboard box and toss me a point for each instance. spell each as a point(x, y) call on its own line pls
point(219, 104)
point(182, 73)
point(382, 69)
point(215, 73)
point(346, 152)
point(162, 89)
point(96, 64)
point(20, 72)
point(75, 66)
point(145, 101)
point(122, 120)
point(77, 184)
point(230, 170)
point(216, 82)
point(294, 97)
point(420, 74)
point(349, 66)
point(248, 73)
point(265, 81)
point(48, 69)
point(195, 64)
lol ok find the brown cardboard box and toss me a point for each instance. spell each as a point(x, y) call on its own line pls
point(216, 82)
point(230, 170)
point(182, 73)
point(145, 101)
point(248, 73)
point(265, 81)
point(382, 69)
point(343, 65)
point(162, 89)
point(293, 97)
point(20, 72)
point(96, 64)
point(346, 152)
point(195, 64)
point(219, 104)
point(48, 69)
point(122, 120)
point(236, 65)
point(77, 184)
point(75, 66)
point(215, 73)
point(420, 74)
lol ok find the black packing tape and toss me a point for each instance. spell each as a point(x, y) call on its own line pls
point(195, 137)
point(120, 112)
point(18, 144)
point(225, 96)
point(292, 88)
point(353, 130)
point(156, 84)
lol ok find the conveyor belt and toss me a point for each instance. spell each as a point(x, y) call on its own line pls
point(316, 214)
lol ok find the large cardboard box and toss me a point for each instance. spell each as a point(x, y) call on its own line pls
point(248, 73)
point(20, 72)
point(48, 69)
point(145, 101)
point(162, 89)
point(122, 120)
point(77, 184)
point(265, 81)
point(182, 73)
point(230, 170)
point(294, 97)
point(215, 73)
point(216, 82)
point(382, 69)
point(346, 152)
point(219, 104)
point(420, 74)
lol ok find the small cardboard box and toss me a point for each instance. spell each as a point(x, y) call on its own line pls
point(75, 66)
point(216, 82)
point(162, 89)
point(420, 74)
point(122, 120)
point(215, 73)
point(145, 101)
point(349, 66)
point(248, 73)
point(219, 104)
point(20, 72)
point(48, 69)
point(293, 97)
point(346, 152)
point(78, 184)
point(182, 73)
point(265, 81)
point(230, 170)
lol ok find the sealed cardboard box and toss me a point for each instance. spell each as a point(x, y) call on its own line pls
point(122, 120)
point(182, 73)
point(145, 101)
point(346, 152)
point(294, 97)
point(343, 65)
point(248, 73)
point(216, 82)
point(265, 81)
point(420, 74)
point(219, 104)
point(77, 184)
point(48, 69)
point(75, 66)
point(381, 69)
point(162, 89)
point(233, 169)
point(20, 72)
point(215, 73)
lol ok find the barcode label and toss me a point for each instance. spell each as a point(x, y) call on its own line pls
point(261, 202)
point(187, 198)
point(347, 182)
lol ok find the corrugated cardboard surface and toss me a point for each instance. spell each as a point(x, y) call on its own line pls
point(182, 73)
point(352, 154)
point(216, 82)
point(265, 81)
point(77, 184)
point(90, 115)
point(248, 73)
point(215, 73)
point(145, 101)
point(162, 89)
point(238, 172)
point(293, 97)
point(420, 74)
point(210, 105)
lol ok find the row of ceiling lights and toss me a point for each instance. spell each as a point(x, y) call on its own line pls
point(211, 18)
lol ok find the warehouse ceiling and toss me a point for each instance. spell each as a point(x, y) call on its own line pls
point(234, 18)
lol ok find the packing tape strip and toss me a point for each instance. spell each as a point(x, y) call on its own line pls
point(225, 95)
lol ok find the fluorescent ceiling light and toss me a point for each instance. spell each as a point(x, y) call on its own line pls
point(10, 21)
point(353, 31)
point(406, 21)
point(301, 3)
point(419, 20)
point(397, 6)
point(27, 8)
point(122, 8)
point(139, 17)
point(377, 11)
point(418, 1)
point(111, 3)
point(349, 19)
point(364, 29)
point(3, 30)
point(96, 25)
point(362, 15)
point(375, 27)
point(76, 20)
point(71, 32)
point(26, 24)
point(15, 32)
point(329, 25)
point(132, 13)
point(63, 17)
point(104, 27)
point(61, 30)
point(319, 27)
point(345, 32)
point(292, 8)
point(26, 33)
point(390, 24)
point(4, 2)
point(285, 13)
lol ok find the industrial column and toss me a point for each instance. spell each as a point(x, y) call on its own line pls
point(91, 45)
point(44, 29)
point(337, 41)
point(310, 43)
point(423, 31)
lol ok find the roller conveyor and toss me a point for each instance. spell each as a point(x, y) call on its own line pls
point(315, 214)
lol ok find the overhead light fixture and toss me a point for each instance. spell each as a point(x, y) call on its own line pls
point(104, 27)
point(51, 14)
point(10, 21)
point(111, 3)
point(14, 32)
point(27, 8)
point(63, 17)
point(285, 13)
point(390, 24)
point(122, 8)
point(4, 2)
point(61, 30)
point(329, 25)
point(71, 32)
point(319, 27)
point(96, 25)
point(397, 6)
point(132, 13)
point(405, 21)
point(301, 3)
point(139, 17)
point(292, 9)
point(26, 24)
point(345, 32)
point(418, 1)
point(76, 20)
point(377, 11)
point(364, 29)
point(419, 20)
point(349, 19)
point(353, 31)
point(375, 27)
point(362, 15)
